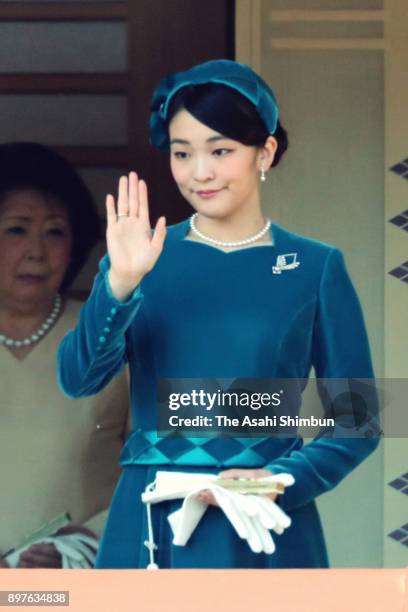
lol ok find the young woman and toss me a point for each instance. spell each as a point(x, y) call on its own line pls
point(216, 297)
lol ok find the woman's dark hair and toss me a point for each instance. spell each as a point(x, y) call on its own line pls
point(28, 165)
point(226, 111)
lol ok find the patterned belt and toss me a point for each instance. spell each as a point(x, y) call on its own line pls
point(146, 448)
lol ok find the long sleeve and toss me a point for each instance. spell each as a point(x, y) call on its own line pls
point(340, 351)
point(95, 351)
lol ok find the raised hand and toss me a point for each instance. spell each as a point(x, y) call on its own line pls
point(133, 249)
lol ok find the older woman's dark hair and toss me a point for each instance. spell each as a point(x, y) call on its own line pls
point(226, 111)
point(28, 165)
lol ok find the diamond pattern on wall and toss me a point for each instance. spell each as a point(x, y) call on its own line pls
point(400, 272)
point(400, 483)
point(400, 535)
point(401, 168)
point(401, 220)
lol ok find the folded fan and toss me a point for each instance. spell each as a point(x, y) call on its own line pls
point(176, 485)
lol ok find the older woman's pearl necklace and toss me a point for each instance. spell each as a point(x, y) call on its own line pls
point(36, 336)
point(236, 243)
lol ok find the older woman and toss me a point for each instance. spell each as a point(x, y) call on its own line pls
point(56, 455)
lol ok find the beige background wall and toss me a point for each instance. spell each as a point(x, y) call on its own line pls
point(337, 68)
point(396, 253)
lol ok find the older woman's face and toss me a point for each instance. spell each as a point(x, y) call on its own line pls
point(35, 246)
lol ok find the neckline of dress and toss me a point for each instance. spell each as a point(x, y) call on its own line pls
point(185, 226)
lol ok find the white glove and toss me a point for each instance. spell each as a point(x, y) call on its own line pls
point(77, 550)
point(184, 521)
point(175, 485)
point(252, 516)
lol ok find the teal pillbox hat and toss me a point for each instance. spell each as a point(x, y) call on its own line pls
point(225, 72)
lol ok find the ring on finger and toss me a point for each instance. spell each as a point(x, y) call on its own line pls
point(123, 215)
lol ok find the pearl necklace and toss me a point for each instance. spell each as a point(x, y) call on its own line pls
point(36, 336)
point(235, 243)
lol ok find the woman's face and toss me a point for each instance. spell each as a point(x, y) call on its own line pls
point(35, 246)
point(218, 176)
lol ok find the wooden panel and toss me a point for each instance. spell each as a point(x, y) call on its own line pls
point(159, 34)
point(199, 31)
point(315, 15)
point(44, 11)
point(64, 83)
point(326, 17)
point(248, 33)
point(358, 44)
point(96, 156)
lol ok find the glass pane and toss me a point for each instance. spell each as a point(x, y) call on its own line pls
point(65, 120)
point(63, 47)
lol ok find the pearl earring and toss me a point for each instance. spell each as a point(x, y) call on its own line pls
point(263, 175)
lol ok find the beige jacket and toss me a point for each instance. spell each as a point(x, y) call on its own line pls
point(56, 454)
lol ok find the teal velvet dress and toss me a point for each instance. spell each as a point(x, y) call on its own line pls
point(205, 313)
